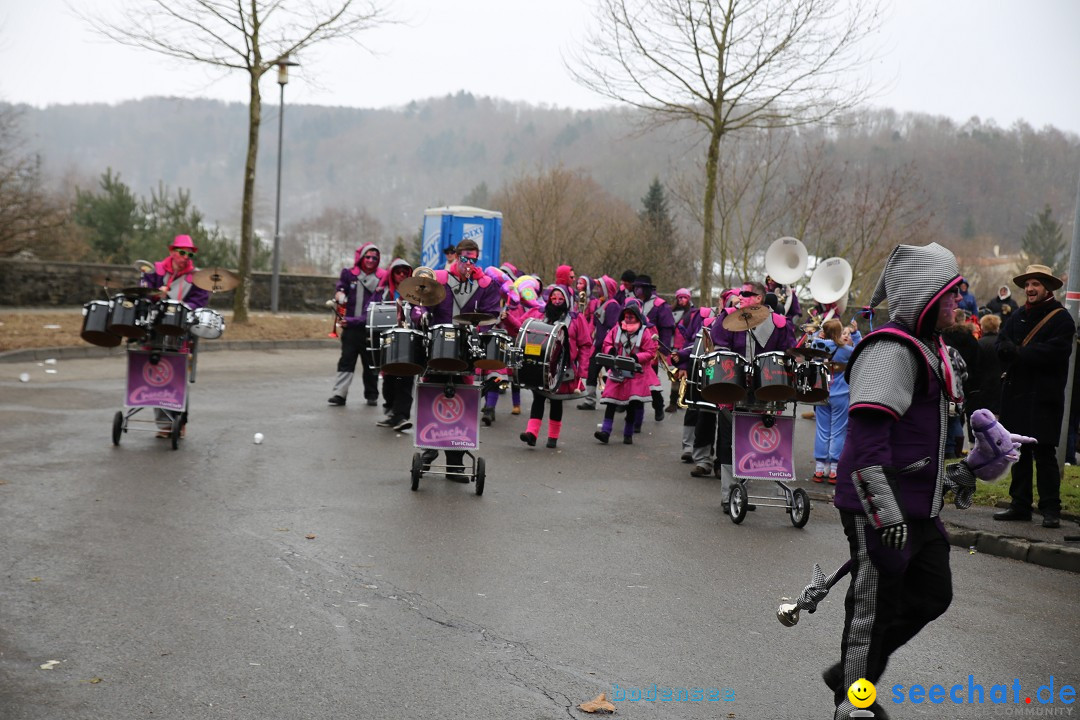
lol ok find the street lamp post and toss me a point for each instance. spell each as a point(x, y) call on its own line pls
point(283, 65)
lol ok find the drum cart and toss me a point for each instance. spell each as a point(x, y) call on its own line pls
point(158, 372)
point(447, 418)
point(762, 450)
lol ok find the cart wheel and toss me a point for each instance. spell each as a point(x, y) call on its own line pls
point(800, 508)
point(479, 476)
point(117, 426)
point(174, 436)
point(737, 503)
point(417, 470)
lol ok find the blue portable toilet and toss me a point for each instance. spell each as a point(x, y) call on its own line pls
point(447, 226)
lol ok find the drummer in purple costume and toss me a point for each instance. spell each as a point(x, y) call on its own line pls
point(468, 290)
point(397, 389)
point(892, 475)
point(630, 338)
point(172, 275)
point(775, 333)
point(605, 317)
point(658, 313)
point(355, 287)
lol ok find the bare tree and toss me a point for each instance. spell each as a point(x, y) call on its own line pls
point(322, 244)
point(252, 36)
point(27, 211)
point(725, 65)
point(563, 216)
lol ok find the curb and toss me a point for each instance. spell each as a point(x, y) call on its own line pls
point(1058, 557)
point(1036, 552)
point(77, 352)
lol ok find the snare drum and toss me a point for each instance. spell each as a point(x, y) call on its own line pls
point(722, 376)
point(380, 318)
point(542, 348)
point(95, 326)
point(496, 349)
point(207, 324)
point(812, 381)
point(404, 352)
point(774, 377)
point(449, 348)
point(127, 316)
point(171, 317)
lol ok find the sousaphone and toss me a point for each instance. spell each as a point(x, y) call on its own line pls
point(829, 284)
point(786, 260)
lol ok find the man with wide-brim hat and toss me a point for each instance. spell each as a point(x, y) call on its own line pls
point(1034, 347)
point(658, 313)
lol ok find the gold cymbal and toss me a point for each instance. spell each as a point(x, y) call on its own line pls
point(422, 291)
point(215, 279)
point(478, 318)
point(808, 353)
point(746, 318)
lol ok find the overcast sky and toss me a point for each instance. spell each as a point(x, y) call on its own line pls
point(998, 59)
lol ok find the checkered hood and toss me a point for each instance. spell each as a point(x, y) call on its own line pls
point(913, 279)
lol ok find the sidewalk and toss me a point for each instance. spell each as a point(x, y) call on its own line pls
point(975, 528)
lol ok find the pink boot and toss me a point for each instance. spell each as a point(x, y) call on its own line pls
point(532, 430)
point(554, 428)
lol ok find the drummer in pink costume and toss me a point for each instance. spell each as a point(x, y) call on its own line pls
point(630, 338)
point(580, 340)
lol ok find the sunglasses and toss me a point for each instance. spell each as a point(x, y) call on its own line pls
point(185, 253)
point(467, 259)
point(749, 293)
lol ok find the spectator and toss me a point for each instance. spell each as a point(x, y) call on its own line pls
point(960, 338)
point(1034, 347)
point(986, 393)
point(967, 300)
point(1003, 304)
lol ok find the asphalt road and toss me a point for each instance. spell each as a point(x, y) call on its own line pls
point(182, 584)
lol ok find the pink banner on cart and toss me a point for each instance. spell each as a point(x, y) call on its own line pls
point(163, 385)
point(763, 453)
point(447, 422)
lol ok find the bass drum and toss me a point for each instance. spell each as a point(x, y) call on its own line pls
point(542, 349)
point(95, 326)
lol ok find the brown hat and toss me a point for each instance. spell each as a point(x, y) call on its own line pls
point(1041, 273)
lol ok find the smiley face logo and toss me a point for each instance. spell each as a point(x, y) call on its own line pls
point(862, 693)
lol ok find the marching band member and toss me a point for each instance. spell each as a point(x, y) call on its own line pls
point(687, 327)
point(173, 277)
point(658, 313)
point(688, 320)
point(630, 338)
point(468, 290)
point(397, 389)
point(605, 315)
point(775, 333)
point(557, 310)
point(786, 297)
point(355, 288)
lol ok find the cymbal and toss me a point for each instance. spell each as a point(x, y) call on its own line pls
point(140, 292)
point(808, 353)
point(479, 319)
point(107, 281)
point(143, 266)
point(215, 279)
point(746, 318)
point(422, 291)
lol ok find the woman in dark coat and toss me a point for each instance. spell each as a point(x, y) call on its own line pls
point(987, 393)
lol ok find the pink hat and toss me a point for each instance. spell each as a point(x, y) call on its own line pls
point(682, 292)
point(183, 242)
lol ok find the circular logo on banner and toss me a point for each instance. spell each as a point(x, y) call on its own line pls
point(448, 409)
point(764, 439)
point(157, 375)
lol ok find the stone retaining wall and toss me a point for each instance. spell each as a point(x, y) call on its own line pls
point(33, 283)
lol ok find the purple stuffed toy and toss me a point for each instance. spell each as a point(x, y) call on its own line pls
point(995, 447)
